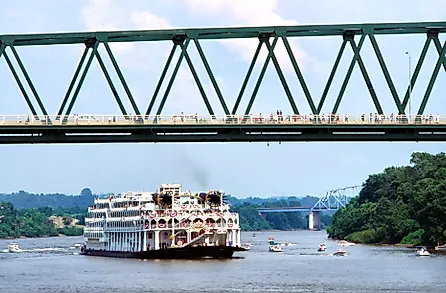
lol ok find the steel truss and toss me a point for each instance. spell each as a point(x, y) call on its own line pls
point(267, 37)
point(335, 199)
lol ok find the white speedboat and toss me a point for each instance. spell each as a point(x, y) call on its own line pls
point(275, 248)
point(422, 251)
point(14, 248)
point(345, 243)
point(340, 252)
point(247, 246)
point(322, 247)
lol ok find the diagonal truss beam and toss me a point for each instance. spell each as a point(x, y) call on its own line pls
point(121, 78)
point(211, 76)
point(357, 59)
point(261, 76)
point(300, 77)
point(416, 72)
point(440, 61)
point(247, 77)
point(94, 47)
point(331, 76)
point(197, 80)
point(386, 73)
point(161, 79)
point(282, 77)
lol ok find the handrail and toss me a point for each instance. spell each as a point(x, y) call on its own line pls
point(255, 119)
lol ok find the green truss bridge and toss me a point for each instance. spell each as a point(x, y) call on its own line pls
point(227, 123)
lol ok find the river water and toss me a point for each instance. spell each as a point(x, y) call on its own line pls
point(50, 265)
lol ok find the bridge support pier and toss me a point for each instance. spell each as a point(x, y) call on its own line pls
point(314, 221)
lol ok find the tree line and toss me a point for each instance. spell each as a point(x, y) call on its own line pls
point(25, 208)
point(34, 222)
point(400, 205)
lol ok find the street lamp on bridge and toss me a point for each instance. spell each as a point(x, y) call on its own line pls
point(410, 83)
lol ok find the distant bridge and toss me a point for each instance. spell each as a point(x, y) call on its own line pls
point(333, 200)
point(284, 210)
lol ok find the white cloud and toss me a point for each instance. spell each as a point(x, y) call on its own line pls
point(253, 13)
point(105, 15)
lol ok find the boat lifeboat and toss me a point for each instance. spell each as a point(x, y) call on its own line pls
point(345, 243)
point(14, 248)
point(422, 251)
point(322, 247)
point(340, 252)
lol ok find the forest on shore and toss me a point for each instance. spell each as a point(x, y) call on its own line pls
point(404, 205)
point(25, 214)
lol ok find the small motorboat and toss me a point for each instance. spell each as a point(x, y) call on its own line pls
point(275, 248)
point(340, 252)
point(322, 247)
point(14, 248)
point(440, 247)
point(247, 246)
point(422, 251)
point(253, 234)
point(345, 243)
point(77, 245)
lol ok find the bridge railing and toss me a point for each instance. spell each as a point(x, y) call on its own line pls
point(345, 119)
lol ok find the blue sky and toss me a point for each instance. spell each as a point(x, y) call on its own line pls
point(240, 169)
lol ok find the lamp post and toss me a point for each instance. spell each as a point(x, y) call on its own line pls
point(410, 83)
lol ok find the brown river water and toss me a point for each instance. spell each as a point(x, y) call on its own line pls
point(52, 265)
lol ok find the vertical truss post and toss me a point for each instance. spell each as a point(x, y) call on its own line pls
point(299, 74)
point(211, 76)
point(121, 78)
point(110, 83)
point(177, 40)
point(247, 77)
point(197, 81)
point(282, 78)
point(386, 73)
point(263, 39)
point(29, 81)
point(416, 72)
point(430, 86)
point(331, 77)
point(160, 82)
point(20, 85)
point(73, 82)
point(92, 43)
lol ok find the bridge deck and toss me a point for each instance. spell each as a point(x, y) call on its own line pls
point(254, 128)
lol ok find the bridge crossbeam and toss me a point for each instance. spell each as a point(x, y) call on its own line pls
point(268, 37)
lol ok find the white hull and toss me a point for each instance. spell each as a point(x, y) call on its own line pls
point(424, 253)
point(14, 248)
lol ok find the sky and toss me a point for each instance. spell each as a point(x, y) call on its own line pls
point(241, 169)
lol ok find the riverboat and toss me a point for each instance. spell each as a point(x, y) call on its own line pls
point(166, 224)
